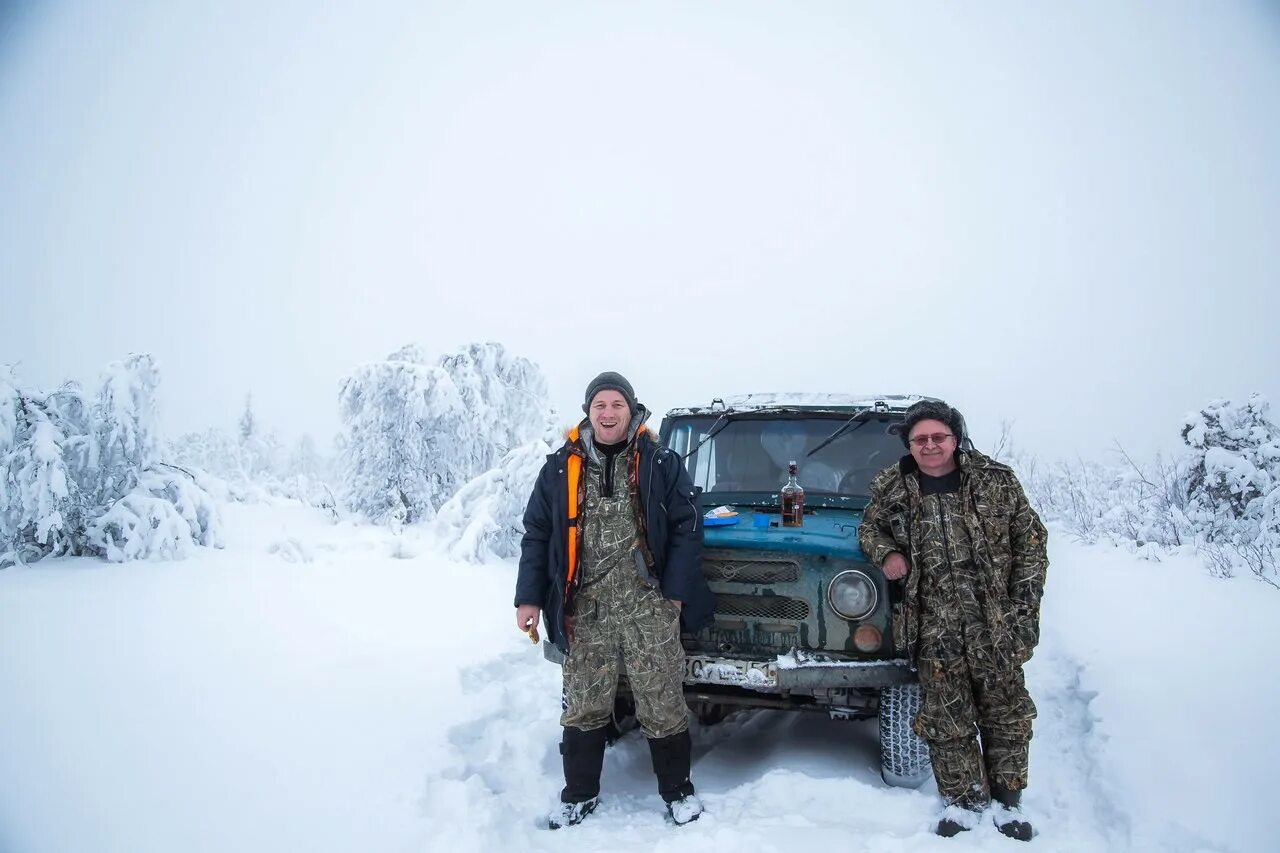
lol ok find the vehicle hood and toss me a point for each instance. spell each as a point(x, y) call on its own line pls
point(830, 532)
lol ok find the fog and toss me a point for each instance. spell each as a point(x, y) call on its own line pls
point(1062, 216)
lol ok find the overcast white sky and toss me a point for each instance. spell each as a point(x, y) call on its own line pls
point(1063, 214)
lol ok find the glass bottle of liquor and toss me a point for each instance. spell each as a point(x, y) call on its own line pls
point(792, 500)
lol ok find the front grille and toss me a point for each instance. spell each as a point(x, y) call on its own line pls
point(761, 606)
point(738, 568)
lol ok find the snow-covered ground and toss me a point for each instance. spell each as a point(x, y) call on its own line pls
point(329, 688)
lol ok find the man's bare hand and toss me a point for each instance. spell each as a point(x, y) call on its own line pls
point(527, 616)
point(895, 566)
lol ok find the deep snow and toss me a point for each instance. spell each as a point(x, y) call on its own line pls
point(333, 688)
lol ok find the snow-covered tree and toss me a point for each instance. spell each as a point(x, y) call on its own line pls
point(124, 417)
point(505, 397)
point(38, 491)
point(71, 471)
point(10, 400)
point(261, 455)
point(46, 458)
point(1235, 466)
point(1233, 485)
point(10, 406)
point(248, 422)
point(416, 432)
point(399, 415)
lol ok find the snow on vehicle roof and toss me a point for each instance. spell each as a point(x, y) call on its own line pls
point(802, 399)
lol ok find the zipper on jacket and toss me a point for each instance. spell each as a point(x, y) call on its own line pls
point(946, 551)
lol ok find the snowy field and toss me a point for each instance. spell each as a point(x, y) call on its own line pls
point(327, 688)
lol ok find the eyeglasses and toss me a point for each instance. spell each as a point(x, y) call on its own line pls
point(938, 438)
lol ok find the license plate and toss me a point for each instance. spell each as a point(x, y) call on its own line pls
point(743, 673)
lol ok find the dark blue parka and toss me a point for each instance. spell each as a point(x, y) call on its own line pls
point(673, 532)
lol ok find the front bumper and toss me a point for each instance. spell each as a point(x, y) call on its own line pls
point(826, 676)
point(783, 674)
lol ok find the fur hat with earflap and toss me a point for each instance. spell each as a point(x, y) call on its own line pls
point(933, 410)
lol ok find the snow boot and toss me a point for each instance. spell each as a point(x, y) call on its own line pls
point(672, 756)
point(685, 810)
point(571, 814)
point(583, 757)
point(957, 819)
point(1008, 813)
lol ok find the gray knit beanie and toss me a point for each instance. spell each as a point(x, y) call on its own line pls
point(610, 381)
point(932, 410)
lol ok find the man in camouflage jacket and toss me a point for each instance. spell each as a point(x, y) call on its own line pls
point(954, 528)
point(612, 558)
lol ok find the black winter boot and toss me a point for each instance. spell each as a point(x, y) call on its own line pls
point(957, 819)
point(1008, 815)
point(672, 756)
point(583, 755)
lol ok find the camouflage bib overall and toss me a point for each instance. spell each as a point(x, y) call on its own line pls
point(621, 625)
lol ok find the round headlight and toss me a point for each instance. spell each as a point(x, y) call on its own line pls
point(852, 595)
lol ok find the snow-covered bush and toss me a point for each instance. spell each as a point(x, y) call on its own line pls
point(1234, 469)
point(1221, 496)
point(84, 479)
point(1122, 501)
point(1233, 485)
point(415, 431)
point(484, 517)
point(164, 515)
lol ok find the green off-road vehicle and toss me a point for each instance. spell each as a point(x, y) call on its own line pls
point(803, 621)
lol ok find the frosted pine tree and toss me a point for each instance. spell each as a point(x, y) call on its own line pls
point(124, 416)
point(505, 397)
point(1233, 486)
point(48, 462)
point(399, 416)
point(417, 432)
point(248, 422)
point(84, 479)
point(10, 405)
point(9, 402)
point(38, 492)
point(44, 457)
point(1235, 466)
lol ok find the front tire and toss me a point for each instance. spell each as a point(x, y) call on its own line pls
point(904, 755)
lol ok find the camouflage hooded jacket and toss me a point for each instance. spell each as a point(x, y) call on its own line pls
point(1007, 541)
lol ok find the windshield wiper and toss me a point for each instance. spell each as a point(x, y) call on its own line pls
point(841, 431)
point(711, 433)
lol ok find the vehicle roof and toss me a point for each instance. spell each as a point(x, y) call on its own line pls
point(802, 401)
